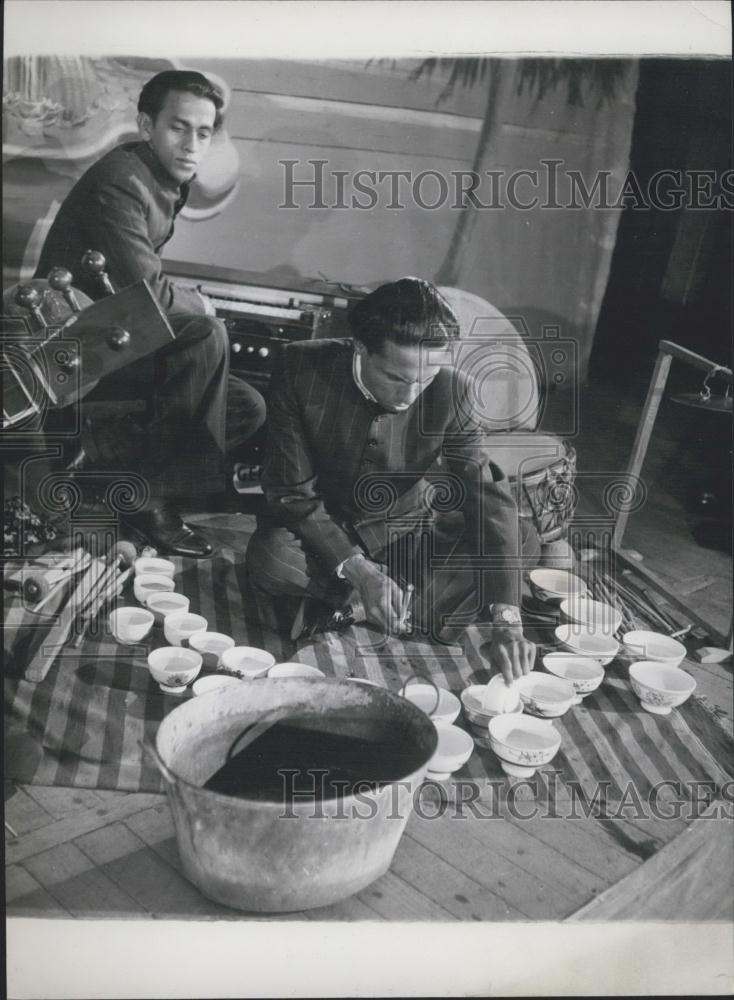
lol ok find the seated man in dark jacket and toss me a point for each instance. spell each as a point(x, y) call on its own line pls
point(377, 472)
point(125, 206)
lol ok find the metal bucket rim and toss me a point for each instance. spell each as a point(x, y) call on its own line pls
point(304, 806)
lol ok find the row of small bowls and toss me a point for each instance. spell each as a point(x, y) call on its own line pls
point(175, 667)
point(191, 645)
point(656, 677)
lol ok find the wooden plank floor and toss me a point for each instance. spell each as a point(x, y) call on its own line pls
point(114, 854)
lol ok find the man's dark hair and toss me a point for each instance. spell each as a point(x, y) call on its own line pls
point(154, 93)
point(407, 311)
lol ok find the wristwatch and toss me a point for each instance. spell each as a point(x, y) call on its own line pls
point(505, 614)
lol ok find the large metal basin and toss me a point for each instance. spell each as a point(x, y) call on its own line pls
point(277, 856)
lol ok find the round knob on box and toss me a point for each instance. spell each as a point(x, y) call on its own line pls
point(250, 349)
point(118, 338)
point(94, 261)
point(28, 297)
point(59, 278)
point(263, 351)
point(236, 347)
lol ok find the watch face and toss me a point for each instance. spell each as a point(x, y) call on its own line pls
point(509, 616)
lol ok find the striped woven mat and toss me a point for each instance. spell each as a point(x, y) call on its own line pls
point(81, 726)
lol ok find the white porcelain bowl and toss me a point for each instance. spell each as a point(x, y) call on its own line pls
point(453, 751)
point(130, 625)
point(552, 586)
point(155, 566)
point(166, 603)
point(174, 667)
point(601, 618)
point(586, 642)
point(247, 661)
point(151, 583)
point(585, 673)
point(545, 695)
point(480, 730)
point(295, 670)
point(654, 646)
point(181, 625)
point(213, 682)
point(523, 743)
point(211, 645)
point(424, 697)
point(479, 709)
point(660, 687)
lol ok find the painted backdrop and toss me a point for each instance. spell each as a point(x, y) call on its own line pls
point(347, 171)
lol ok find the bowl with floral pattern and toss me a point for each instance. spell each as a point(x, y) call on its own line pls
point(523, 743)
point(584, 672)
point(173, 667)
point(546, 695)
point(659, 687)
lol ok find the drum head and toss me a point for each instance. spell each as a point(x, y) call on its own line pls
point(519, 454)
point(506, 395)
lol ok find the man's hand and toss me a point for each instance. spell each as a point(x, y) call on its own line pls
point(510, 652)
point(380, 595)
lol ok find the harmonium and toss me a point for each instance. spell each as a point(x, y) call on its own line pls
point(262, 318)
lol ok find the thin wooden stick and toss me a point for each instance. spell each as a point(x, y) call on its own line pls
point(646, 596)
point(102, 583)
point(405, 609)
point(103, 595)
point(114, 562)
point(612, 597)
point(645, 608)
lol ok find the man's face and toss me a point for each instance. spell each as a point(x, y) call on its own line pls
point(397, 374)
point(181, 133)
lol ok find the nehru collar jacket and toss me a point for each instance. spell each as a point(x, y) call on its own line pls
point(125, 206)
point(346, 475)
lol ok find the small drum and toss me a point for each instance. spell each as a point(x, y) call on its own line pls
point(541, 469)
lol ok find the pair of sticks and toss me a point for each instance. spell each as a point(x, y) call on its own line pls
point(628, 596)
point(108, 586)
point(602, 588)
point(81, 560)
point(100, 582)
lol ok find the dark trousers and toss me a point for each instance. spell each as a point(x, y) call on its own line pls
point(193, 413)
point(196, 413)
point(447, 598)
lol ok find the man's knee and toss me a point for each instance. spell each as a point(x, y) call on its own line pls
point(246, 409)
point(205, 332)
